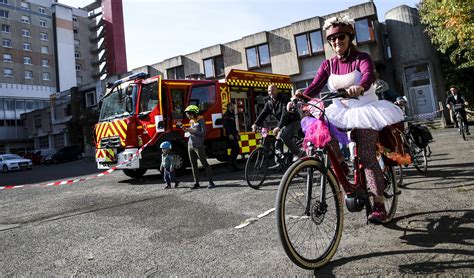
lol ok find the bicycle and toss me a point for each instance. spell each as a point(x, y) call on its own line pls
point(267, 158)
point(309, 209)
point(457, 113)
point(419, 151)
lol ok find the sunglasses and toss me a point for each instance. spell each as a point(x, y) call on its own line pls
point(335, 37)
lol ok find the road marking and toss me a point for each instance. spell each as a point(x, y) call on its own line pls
point(254, 219)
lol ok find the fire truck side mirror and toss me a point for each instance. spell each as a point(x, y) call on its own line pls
point(129, 104)
point(161, 125)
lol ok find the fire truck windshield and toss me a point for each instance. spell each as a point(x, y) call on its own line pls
point(114, 104)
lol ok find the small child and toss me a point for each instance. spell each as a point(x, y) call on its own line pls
point(167, 165)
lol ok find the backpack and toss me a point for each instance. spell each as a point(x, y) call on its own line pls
point(421, 135)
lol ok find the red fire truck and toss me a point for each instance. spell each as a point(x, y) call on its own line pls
point(137, 108)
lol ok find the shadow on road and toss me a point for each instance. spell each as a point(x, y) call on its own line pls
point(424, 229)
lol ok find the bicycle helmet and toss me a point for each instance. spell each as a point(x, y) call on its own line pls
point(165, 145)
point(192, 108)
point(336, 25)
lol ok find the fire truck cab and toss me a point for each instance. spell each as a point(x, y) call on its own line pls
point(140, 112)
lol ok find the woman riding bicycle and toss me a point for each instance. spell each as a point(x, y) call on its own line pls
point(353, 70)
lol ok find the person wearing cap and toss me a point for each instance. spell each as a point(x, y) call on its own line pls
point(196, 148)
point(353, 70)
point(456, 98)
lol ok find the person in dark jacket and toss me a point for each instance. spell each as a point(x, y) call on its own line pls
point(457, 99)
point(276, 105)
point(232, 134)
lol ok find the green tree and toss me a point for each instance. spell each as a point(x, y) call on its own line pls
point(450, 25)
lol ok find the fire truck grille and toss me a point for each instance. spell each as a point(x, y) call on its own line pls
point(110, 142)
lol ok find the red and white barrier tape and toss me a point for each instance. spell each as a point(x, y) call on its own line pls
point(421, 116)
point(64, 182)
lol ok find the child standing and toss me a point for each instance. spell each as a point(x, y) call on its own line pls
point(167, 165)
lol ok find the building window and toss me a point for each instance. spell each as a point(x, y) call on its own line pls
point(4, 14)
point(44, 50)
point(77, 54)
point(364, 30)
point(46, 76)
point(26, 33)
point(3, 2)
point(58, 141)
point(175, 73)
point(26, 46)
point(309, 43)
point(258, 56)
point(25, 19)
point(75, 30)
point(7, 43)
point(25, 5)
point(27, 60)
point(316, 40)
point(45, 63)
point(79, 79)
point(37, 121)
point(7, 58)
point(41, 10)
point(7, 72)
point(77, 42)
point(28, 74)
point(214, 67)
point(43, 22)
point(74, 19)
point(44, 36)
point(90, 99)
point(43, 140)
point(6, 28)
point(78, 67)
point(29, 105)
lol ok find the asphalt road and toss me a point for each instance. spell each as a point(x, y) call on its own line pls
point(115, 226)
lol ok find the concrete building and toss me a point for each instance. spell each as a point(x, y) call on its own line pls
point(399, 49)
point(48, 50)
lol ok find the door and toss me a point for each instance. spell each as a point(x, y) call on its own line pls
point(422, 100)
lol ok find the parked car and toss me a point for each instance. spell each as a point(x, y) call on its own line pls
point(10, 162)
point(68, 153)
point(34, 156)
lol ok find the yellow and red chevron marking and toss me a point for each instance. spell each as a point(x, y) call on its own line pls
point(107, 154)
point(108, 129)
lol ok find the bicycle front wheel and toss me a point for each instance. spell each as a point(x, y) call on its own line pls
point(420, 160)
point(309, 214)
point(256, 168)
point(390, 193)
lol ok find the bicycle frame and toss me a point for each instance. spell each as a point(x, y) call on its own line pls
point(357, 190)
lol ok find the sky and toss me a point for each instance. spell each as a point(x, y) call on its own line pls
point(156, 30)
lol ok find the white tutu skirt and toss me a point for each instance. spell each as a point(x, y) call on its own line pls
point(370, 115)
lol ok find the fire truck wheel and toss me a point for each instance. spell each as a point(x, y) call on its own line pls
point(134, 173)
point(181, 160)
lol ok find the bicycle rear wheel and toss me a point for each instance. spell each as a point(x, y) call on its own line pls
point(256, 168)
point(309, 230)
point(420, 160)
point(390, 193)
